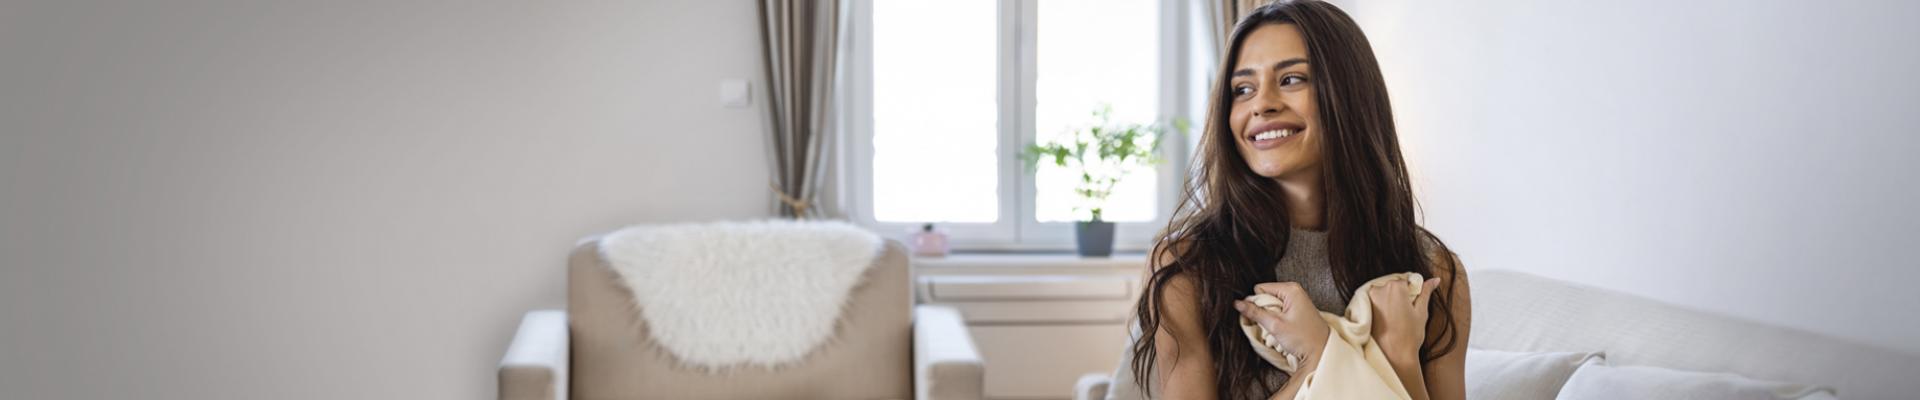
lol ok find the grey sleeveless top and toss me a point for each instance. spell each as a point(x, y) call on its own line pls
point(1305, 262)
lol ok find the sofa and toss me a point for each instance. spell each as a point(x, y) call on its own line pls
point(885, 348)
point(1596, 332)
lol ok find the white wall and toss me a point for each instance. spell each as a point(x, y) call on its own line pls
point(1755, 158)
point(338, 199)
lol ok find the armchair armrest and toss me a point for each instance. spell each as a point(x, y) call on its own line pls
point(1092, 387)
point(535, 366)
point(946, 365)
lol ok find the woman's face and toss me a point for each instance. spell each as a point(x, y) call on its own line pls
point(1273, 116)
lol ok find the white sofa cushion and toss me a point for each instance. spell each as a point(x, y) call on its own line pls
point(1597, 381)
point(1516, 311)
point(1518, 375)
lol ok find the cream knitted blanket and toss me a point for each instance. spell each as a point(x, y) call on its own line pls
point(1352, 366)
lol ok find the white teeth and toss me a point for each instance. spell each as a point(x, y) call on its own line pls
point(1273, 134)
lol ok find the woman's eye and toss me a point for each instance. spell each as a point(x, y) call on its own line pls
point(1242, 90)
point(1291, 80)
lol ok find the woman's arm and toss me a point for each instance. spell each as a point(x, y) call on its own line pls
point(1399, 326)
point(1181, 344)
point(1411, 377)
point(1446, 376)
point(1443, 377)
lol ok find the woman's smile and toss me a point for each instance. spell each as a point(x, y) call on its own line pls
point(1273, 134)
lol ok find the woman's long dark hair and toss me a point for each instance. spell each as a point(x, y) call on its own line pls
point(1231, 226)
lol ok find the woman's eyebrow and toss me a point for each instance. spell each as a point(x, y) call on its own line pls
point(1283, 64)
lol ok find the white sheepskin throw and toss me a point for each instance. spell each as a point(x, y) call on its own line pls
point(740, 293)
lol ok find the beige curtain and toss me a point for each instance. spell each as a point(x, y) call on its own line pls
point(800, 37)
point(1222, 15)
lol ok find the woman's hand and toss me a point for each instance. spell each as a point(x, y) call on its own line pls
point(1399, 325)
point(1297, 326)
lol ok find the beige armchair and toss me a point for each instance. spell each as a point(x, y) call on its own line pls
point(885, 348)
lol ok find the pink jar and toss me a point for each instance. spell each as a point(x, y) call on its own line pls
point(928, 242)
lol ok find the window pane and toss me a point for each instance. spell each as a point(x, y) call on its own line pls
point(1094, 53)
point(935, 154)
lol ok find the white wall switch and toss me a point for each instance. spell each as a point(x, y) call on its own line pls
point(734, 93)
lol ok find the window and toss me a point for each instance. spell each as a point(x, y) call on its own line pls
point(941, 96)
point(935, 153)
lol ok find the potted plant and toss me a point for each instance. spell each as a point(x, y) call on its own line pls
point(1102, 155)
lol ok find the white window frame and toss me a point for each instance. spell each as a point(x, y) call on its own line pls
point(1016, 228)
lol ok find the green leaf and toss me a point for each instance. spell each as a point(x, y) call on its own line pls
point(1103, 153)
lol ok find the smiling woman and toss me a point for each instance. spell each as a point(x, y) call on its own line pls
point(1302, 194)
point(1279, 143)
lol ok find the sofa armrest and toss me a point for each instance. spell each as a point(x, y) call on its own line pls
point(1092, 387)
point(946, 366)
point(535, 367)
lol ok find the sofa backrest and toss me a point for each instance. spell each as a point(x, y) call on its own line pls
point(1515, 311)
point(870, 356)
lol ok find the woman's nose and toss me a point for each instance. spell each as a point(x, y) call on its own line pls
point(1267, 104)
point(1267, 108)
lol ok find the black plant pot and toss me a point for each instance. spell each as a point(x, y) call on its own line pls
point(1095, 238)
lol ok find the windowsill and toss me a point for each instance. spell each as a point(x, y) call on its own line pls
point(971, 263)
